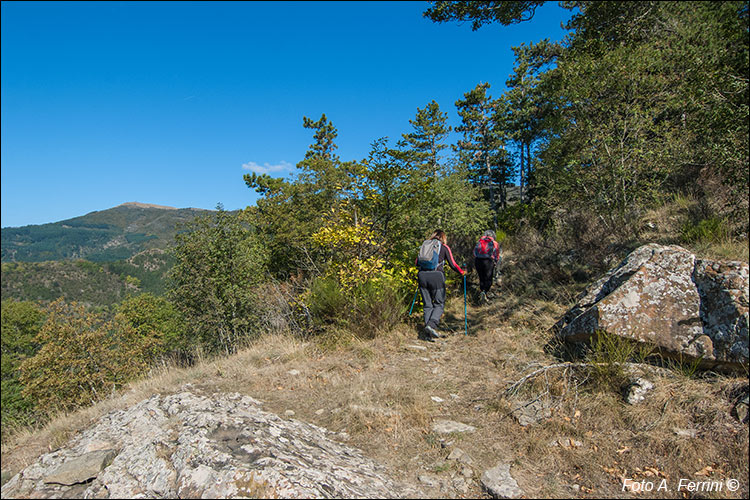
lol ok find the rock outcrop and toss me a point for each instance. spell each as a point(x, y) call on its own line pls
point(689, 309)
point(190, 446)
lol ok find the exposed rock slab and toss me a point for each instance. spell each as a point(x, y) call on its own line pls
point(81, 469)
point(531, 412)
point(187, 445)
point(690, 309)
point(449, 426)
point(499, 483)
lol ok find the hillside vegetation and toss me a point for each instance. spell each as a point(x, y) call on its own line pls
point(633, 130)
point(103, 236)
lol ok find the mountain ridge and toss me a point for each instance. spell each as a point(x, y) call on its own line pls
point(108, 235)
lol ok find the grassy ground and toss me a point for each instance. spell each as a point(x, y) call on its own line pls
point(385, 393)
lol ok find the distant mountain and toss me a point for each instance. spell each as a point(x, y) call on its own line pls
point(109, 235)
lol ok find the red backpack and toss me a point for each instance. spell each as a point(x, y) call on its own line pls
point(485, 248)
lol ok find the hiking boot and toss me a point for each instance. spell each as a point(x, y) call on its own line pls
point(425, 337)
point(432, 332)
point(482, 297)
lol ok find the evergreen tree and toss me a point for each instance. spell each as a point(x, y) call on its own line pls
point(527, 105)
point(325, 135)
point(482, 149)
point(424, 143)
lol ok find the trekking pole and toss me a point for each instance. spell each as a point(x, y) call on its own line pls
point(413, 301)
point(466, 324)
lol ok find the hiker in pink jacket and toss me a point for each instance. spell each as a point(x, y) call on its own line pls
point(486, 257)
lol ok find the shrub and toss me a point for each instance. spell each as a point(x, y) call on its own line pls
point(82, 358)
point(158, 323)
point(365, 309)
point(21, 322)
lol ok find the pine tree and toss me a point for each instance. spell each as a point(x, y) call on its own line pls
point(482, 149)
point(424, 142)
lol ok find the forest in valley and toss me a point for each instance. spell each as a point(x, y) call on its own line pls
point(632, 129)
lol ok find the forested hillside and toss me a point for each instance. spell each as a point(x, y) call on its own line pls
point(97, 284)
point(633, 129)
point(103, 236)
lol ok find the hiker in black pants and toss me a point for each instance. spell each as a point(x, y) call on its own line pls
point(431, 263)
point(486, 257)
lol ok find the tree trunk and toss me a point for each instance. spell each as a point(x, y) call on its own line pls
point(520, 193)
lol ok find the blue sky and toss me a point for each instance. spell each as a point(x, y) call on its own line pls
point(172, 102)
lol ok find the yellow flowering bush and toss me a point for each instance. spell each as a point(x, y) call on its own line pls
point(353, 249)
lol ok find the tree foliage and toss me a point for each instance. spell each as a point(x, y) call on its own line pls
point(641, 100)
point(21, 322)
point(482, 148)
point(82, 358)
point(158, 322)
point(481, 13)
point(218, 262)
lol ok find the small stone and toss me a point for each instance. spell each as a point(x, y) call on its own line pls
point(741, 409)
point(529, 413)
point(459, 484)
point(320, 412)
point(429, 479)
point(461, 456)
point(448, 426)
point(294, 372)
point(636, 391)
point(688, 433)
point(499, 483)
point(437, 399)
point(289, 413)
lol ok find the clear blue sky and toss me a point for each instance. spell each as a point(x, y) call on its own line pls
point(171, 103)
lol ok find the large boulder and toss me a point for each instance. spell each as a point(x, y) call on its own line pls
point(687, 308)
point(190, 446)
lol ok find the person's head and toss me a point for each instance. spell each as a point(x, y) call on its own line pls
point(489, 233)
point(439, 235)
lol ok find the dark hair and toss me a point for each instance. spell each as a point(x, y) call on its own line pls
point(439, 235)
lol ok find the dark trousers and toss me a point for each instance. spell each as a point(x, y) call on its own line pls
point(485, 269)
point(432, 287)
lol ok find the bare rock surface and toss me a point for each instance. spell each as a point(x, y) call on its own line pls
point(499, 483)
point(189, 445)
point(689, 309)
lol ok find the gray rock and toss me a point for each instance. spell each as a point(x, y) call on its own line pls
point(688, 433)
point(461, 456)
point(741, 409)
point(460, 485)
point(81, 469)
point(222, 446)
point(688, 309)
point(636, 391)
point(431, 480)
point(528, 413)
point(499, 483)
point(449, 426)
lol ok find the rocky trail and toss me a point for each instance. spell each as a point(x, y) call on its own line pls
point(496, 413)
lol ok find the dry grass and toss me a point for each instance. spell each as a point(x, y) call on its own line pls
point(380, 393)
